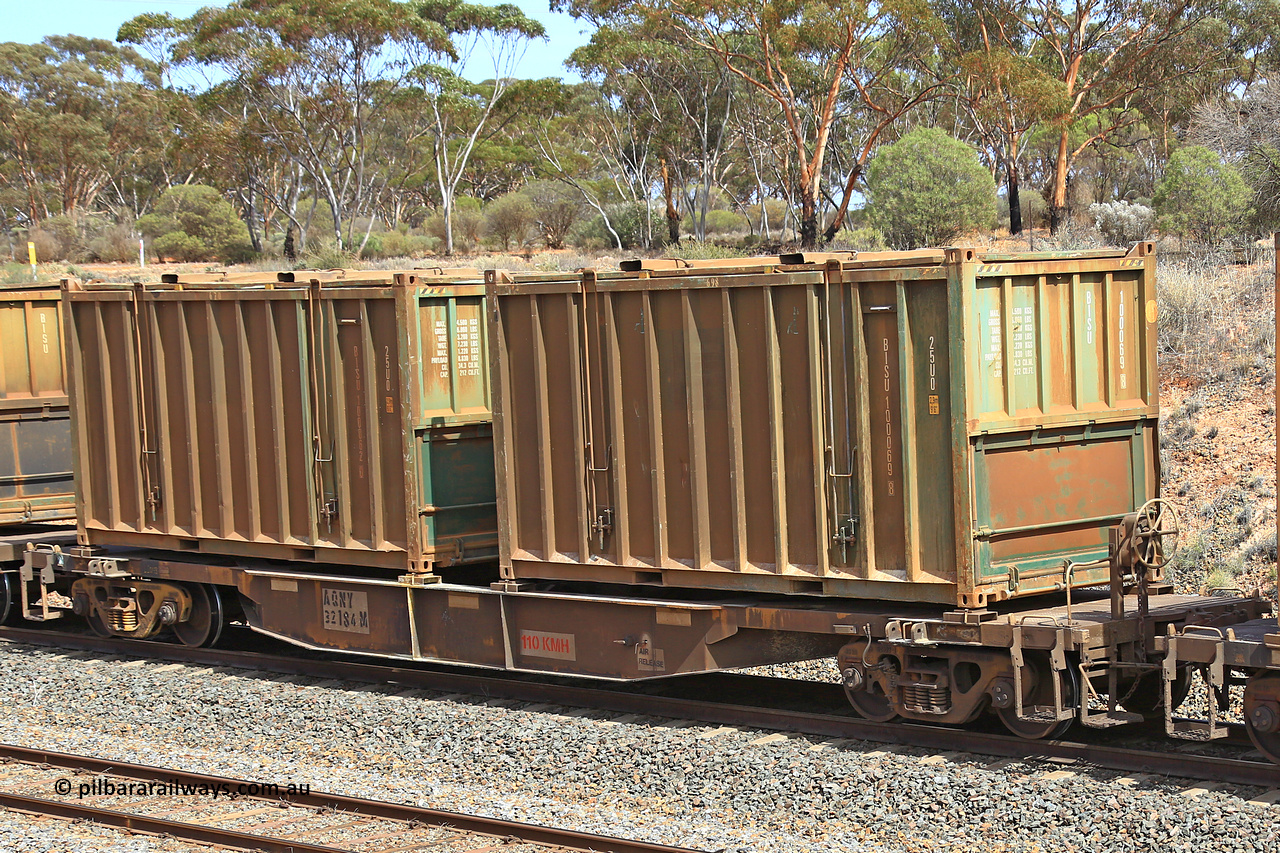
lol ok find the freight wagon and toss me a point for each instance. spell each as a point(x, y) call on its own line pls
point(911, 462)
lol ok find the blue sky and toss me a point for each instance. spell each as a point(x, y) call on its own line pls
point(25, 21)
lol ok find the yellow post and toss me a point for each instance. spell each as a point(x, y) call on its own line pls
point(31, 255)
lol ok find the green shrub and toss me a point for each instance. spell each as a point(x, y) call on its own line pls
point(508, 219)
point(1122, 223)
point(928, 188)
point(865, 239)
point(1201, 197)
point(195, 223)
point(48, 246)
point(115, 244)
point(725, 222)
point(556, 209)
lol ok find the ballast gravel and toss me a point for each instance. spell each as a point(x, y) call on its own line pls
point(697, 786)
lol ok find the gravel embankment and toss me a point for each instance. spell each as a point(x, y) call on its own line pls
point(23, 833)
point(691, 785)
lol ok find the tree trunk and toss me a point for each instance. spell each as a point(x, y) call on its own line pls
point(1058, 198)
point(1015, 203)
point(809, 216)
point(673, 212)
point(448, 225)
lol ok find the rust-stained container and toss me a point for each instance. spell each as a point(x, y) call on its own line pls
point(339, 421)
point(35, 428)
point(945, 427)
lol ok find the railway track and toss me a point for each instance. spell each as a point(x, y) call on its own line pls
point(261, 816)
point(1096, 749)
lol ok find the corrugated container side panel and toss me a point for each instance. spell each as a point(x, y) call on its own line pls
point(108, 451)
point(884, 396)
point(931, 412)
point(525, 433)
point(561, 424)
point(796, 322)
point(753, 338)
point(669, 324)
point(366, 403)
point(637, 530)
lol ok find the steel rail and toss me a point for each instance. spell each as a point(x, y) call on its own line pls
point(1199, 767)
point(317, 800)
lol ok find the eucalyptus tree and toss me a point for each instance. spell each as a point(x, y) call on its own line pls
point(1111, 57)
point(76, 118)
point(1002, 87)
point(460, 110)
point(679, 101)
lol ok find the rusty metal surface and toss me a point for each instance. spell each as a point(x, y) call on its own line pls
point(36, 481)
point(342, 421)
point(949, 428)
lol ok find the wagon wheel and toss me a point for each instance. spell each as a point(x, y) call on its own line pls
point(1156, 533)
point(8, 598)
point(1262, 713)
point(204, 627)
point(1037, 689)
point(871, 703)
point(97, 624)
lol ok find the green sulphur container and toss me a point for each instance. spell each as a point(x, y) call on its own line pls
point(333, 418)
point(951, 427)
point(35, 428)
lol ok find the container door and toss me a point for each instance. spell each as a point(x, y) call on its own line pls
point(360, 410)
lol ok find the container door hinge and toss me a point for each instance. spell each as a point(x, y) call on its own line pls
point(603, 524)
point(845, 535)
point(329, 511)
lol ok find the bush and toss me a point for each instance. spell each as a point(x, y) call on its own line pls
point(1123, 223)
point(556, 209)
point(116, 244)
point(48, 246)
point(628, 220)
point(775, 210)
point(865, 239)
point(1201, 197)
point(927, 188)
point(509, 218)
point(195, 223)
point(725, 222)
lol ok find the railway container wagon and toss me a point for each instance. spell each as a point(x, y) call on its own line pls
point(946, 427)
point(315, 417)
point(36, 483)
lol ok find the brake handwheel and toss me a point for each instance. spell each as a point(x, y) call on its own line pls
point(1156, 533)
